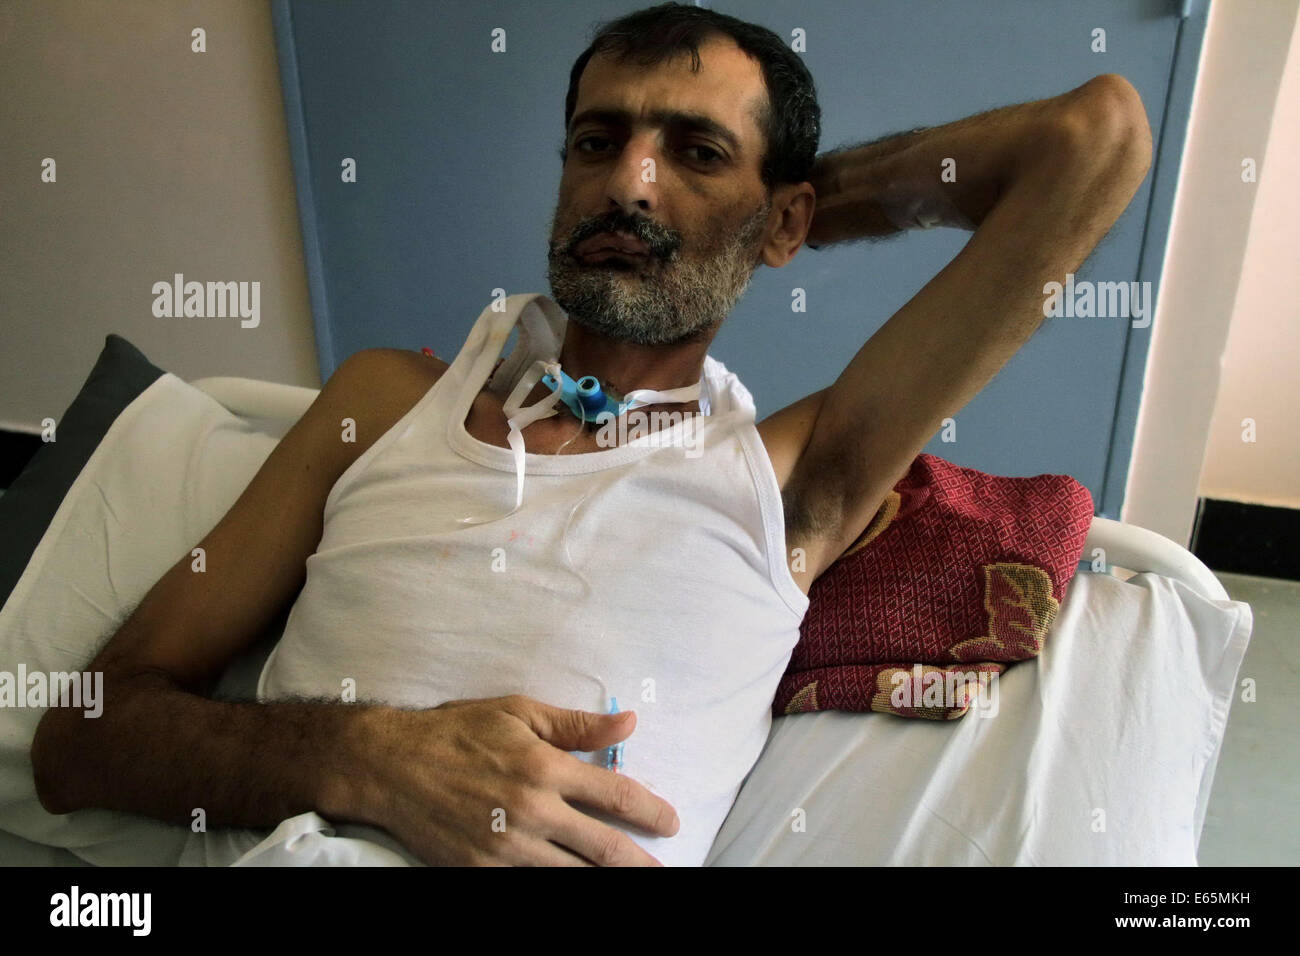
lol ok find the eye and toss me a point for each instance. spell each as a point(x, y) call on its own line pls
point(582, 148)
point(707, 155)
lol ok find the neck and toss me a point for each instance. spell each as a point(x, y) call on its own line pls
point(624, 366)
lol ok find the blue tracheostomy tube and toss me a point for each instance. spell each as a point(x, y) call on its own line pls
point(590, 395)
point(585, 397)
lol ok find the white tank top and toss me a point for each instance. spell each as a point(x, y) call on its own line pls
point(646, 572)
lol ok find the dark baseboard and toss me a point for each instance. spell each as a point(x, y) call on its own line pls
point(1242, 538)
point(16, 450)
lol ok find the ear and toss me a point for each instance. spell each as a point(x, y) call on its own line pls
point(788, 222)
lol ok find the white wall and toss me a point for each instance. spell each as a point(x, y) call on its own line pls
point(1261, 367)
point(1242, 63)
point(168, 161)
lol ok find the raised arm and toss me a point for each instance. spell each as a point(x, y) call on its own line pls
point(1041, 183)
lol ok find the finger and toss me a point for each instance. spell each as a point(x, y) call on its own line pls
point(556, 855)
point(598, 842)
point(618, 795)
point(539, 851)
point(572, 729)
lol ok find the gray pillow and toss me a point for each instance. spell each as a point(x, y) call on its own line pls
point(120, 374)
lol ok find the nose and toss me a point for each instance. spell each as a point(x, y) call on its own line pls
point(633, 178)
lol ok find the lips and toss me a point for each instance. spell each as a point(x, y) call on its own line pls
point(620, 242)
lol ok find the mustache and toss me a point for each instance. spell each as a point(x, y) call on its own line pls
point(662, 242)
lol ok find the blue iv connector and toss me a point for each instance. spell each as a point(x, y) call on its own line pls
point(585, 397)
point(614, 753)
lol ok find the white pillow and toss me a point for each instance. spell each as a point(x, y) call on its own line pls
point(1123, 712)
point(168, 469)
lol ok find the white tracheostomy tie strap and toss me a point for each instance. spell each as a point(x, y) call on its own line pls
point(519, 418)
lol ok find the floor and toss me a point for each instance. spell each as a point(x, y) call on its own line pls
point(1252, 819)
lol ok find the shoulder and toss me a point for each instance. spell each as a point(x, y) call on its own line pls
point(378, 386)
point(403, 362)
point(387, 375)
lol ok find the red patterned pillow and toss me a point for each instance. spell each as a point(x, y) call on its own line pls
point(959, 573)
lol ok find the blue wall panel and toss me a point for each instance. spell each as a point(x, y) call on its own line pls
point(457, 171)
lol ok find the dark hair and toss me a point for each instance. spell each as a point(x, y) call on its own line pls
point(791, 120)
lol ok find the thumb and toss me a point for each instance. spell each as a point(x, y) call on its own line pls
point(577, 729)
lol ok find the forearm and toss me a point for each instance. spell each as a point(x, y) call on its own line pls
point(164, 752)
point(955, 172)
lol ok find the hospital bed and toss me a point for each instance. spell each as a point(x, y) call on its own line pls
point(1100, 751)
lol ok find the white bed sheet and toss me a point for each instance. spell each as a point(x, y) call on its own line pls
point(1123, 712)
point(1101, 752)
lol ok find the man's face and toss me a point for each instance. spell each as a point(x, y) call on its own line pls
point(685, 195)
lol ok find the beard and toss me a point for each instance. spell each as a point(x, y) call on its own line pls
point(665, 297)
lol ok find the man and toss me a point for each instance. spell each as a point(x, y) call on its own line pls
point(690, 157)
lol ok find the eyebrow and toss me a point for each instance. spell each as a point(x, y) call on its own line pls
point(695, 122)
